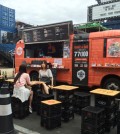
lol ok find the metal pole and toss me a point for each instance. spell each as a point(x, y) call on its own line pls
point(0, 37)
point(13, 64)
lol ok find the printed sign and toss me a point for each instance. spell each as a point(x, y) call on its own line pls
point(80, 63)
point(66, 50)
point(113, 47)
point(58, 61)
point(103, 11)
point(6, 37)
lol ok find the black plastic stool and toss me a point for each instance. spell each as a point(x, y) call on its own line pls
point(81, 100)
point(20, 109)
point(118, 116)
point(42, 97)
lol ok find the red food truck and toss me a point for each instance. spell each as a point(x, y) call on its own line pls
point(89, 59)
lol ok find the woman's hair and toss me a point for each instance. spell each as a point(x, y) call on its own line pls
point(22, 69)
point(44, 62)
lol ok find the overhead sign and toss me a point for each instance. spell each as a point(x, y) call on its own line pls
point(6, 37)
point(104, 11)
point(103, 1)
point(53, 32)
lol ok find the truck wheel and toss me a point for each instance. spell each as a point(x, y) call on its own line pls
point(112, 83)
point(34, 76)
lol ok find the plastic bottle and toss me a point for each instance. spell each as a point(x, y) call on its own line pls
point(5, 75)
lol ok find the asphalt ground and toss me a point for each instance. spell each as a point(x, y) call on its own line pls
point(31, 125)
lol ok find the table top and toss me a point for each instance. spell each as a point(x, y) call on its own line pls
point(65, 87)
point(32, 82)
point(51, 102)
point(105, 92)
point(36, 82)
point(10, 80)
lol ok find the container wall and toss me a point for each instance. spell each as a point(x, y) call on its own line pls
point(7, 18)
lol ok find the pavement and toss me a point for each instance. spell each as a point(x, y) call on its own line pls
point(31, 125)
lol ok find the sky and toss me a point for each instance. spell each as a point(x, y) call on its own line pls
point(40, 12)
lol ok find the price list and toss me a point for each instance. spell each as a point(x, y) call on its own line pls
point(37, 35)
point(48, 33)
point(80, 63)
point(28, 36)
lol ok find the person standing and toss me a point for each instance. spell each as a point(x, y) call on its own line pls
point(51, 50)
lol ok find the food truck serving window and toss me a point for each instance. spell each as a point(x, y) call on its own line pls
point(54, 50)
point(48, 40)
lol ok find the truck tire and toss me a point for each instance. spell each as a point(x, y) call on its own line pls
point(112, 83)
point(34, 76)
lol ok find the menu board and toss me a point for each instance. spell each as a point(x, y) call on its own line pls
point(62, 32)
point(54, 32)
point(28, 36)
point(48, 33)
point(37, 35)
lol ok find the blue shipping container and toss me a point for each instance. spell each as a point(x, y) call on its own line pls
point(0, 14)
point(115, 24)
point(7, 17)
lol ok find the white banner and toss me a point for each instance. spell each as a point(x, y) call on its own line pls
point(106, 11)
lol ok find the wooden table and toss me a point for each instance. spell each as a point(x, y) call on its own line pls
point(109, 95)
point(65, 93)
point(65, 87)
point(36, 82)
point(32, 82)
point(105, 92)
point(105, 98)
point(51, 102)
point(10, 80)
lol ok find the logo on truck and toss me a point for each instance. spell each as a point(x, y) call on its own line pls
point(81, 74)
point(19, 51)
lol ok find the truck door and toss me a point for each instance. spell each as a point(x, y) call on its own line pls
point(80, 62)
